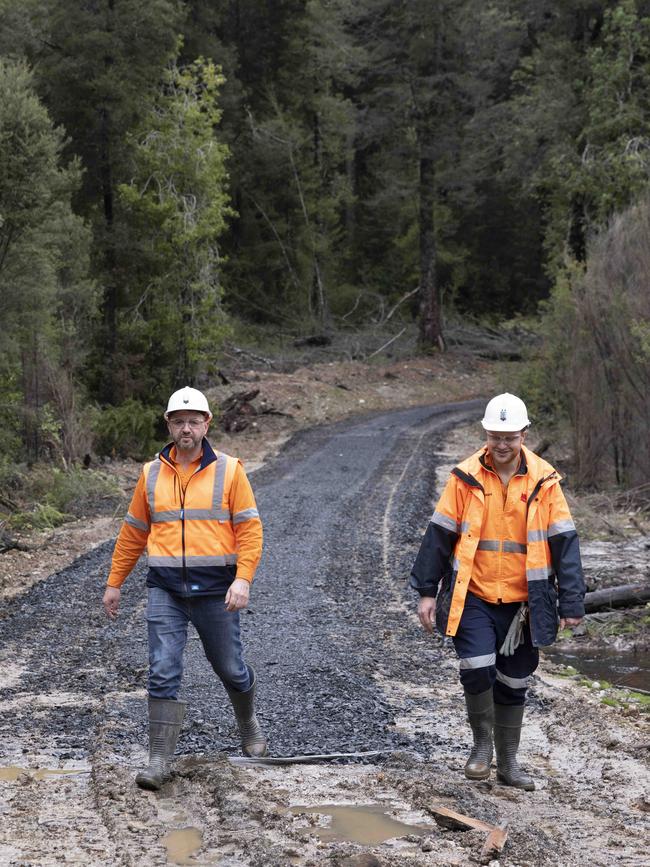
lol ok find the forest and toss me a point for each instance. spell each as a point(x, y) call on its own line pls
point(173, 173)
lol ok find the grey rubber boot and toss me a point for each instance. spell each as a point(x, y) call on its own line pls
point(165, 720)
point(480, 713)
point(253, 742)
point(507, 732)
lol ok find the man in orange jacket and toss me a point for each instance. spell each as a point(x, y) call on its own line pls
point(194, 510)
point(499, 556)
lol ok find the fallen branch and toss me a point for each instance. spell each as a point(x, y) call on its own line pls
point(401, 301)
point(622, 596)
point(304, 760)
point(239, 351)
point(388, 343)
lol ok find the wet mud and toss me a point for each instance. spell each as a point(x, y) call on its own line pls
point(342, 667)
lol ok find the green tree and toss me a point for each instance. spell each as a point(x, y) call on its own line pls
point(98, 65)
point(178, 204)
point(48, 300)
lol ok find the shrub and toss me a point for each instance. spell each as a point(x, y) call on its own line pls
point(128, 430)
point(596, 360)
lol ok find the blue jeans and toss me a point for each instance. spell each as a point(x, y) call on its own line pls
point(481, 632)
point(218, 629)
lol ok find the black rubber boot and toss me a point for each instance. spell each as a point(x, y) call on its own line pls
point(165, 720)
point(507, 732)
point(480, 713)
point(253, 742)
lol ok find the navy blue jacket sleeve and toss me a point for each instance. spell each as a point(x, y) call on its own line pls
point(565, 556)
point(433, 561)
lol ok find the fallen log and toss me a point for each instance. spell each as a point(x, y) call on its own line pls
point(623, 596)
point(496, 834)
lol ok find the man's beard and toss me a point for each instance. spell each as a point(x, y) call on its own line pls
point(184, 445)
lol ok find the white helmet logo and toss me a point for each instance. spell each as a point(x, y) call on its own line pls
point(502, 415)
point(186, 400)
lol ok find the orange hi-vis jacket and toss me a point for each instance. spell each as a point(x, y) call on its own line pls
point(199, 538)
point(522, 548)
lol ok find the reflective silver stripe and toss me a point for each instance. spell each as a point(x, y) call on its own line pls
point(539, 574)
point(206, 515)
point(506, 546)
point(514, 547)
point(221, 514)
point(561, 527)
point(455, 565)
point(464, 527)
point(245, 515)
point(537, 535)
point(489, 545)
point(152, 478)
point(478, 661)
point(189, 515)
point(177, 562)
point(136, 522)
point(513, 682)
point(162, 517)
point(444, 521)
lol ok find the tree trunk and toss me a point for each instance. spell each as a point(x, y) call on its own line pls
point(318, 301)
point(107, 382)
point(430, 320)
point(31, 398)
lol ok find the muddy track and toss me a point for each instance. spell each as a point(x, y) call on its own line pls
point(342, 667)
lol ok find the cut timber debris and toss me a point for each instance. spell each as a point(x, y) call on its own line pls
point(496, 834)
point(617, 597)
point(237, 410)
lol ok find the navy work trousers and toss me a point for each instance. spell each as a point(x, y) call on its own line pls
point(481, 632)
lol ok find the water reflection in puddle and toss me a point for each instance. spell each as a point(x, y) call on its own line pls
point(182, 844)
point(12, 773)
point(369, 825)
point(622, 668)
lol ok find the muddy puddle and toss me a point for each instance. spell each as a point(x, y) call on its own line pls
point(623, 668)
point(13, 773)
point(182, 845)
point(365, 824)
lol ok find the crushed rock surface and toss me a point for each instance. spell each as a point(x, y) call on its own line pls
point(343, 667)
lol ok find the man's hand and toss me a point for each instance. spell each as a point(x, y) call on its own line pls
point(237, 595)
point(111, 602)
point(570, 621)
point(427, 612)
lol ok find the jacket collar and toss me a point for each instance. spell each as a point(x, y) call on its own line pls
point(208, 456)
point(538, 469)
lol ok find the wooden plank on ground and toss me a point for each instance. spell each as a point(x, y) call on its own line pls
point(496, 834)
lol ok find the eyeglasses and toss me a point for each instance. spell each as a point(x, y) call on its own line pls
point(509, 440)
point(190, 422)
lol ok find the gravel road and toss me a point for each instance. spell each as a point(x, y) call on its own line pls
point(342, 667)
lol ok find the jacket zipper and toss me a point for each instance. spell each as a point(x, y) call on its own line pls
point(182, 497)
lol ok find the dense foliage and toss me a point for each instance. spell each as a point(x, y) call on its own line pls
point(165, 166)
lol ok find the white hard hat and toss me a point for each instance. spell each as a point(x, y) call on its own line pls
point(505, 412)
point(190, 399)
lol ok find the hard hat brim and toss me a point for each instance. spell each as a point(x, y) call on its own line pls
point(166, 415)
point(504, 427)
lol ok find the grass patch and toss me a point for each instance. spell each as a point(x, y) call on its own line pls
point(41, 517)
point(44, 496)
